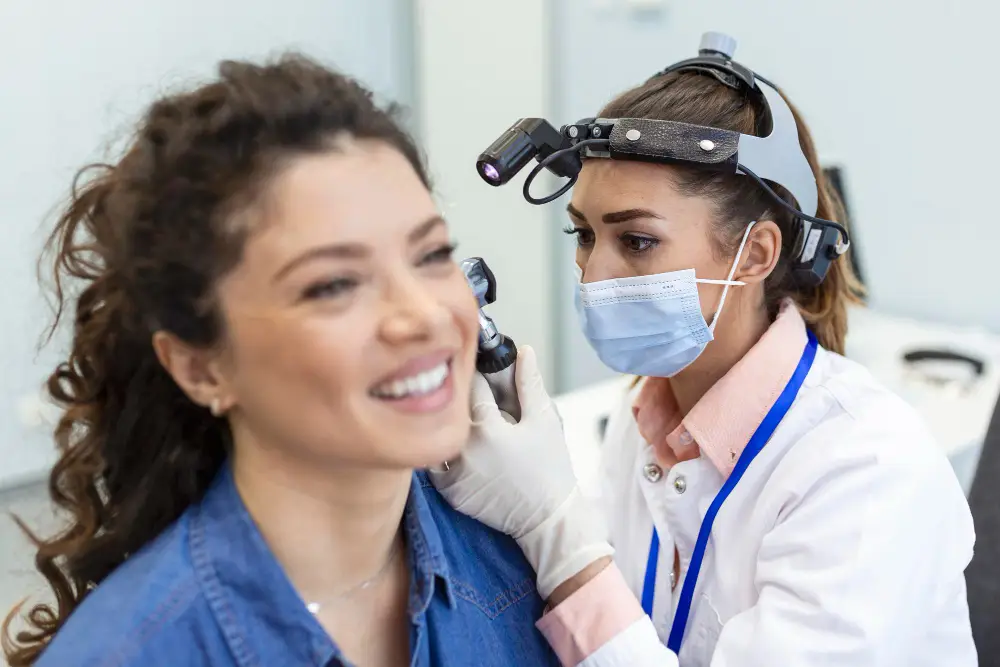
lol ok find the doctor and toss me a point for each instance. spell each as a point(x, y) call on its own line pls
point(769, 503)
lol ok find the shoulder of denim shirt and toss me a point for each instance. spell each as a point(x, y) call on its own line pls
point(490, 593)
point(149, 612)
point(485, 567)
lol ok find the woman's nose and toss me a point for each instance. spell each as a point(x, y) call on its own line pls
point(412, 312)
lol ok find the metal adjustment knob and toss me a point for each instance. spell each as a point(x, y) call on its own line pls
point(717, 42)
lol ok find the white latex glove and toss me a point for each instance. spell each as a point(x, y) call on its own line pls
point(518, 479)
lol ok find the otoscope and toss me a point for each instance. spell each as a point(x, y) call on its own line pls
point(497, 353)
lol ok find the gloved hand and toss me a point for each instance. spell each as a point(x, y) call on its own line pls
point(517, 478)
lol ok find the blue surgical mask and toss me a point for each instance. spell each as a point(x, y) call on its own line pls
point(650, 325)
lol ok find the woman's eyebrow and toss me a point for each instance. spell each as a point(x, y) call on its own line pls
point(353, 250)
point(347, 250)
point(425, 228)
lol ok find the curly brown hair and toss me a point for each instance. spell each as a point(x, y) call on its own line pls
point(138, 250)
point(691, 97)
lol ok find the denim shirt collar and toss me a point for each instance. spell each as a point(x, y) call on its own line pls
point(258, 611)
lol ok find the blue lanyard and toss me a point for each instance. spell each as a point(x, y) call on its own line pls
point(757, 442)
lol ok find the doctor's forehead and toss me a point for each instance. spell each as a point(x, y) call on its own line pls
point(616, 184)
point(606, 190)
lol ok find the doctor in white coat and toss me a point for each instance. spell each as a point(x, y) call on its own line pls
point(768, 502)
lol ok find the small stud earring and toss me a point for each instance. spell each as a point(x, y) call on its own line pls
point(215, 407)
point(445, 467)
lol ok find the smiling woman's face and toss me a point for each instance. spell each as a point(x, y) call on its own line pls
point(350, 331)
point(630, 220)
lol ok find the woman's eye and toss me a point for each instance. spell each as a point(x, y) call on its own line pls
point(584, 237)
point(439, 256)
point(329, 289)
point(638, 244)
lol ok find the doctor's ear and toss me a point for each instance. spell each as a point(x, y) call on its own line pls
point(760, 254)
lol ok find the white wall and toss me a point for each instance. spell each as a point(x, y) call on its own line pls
point(900, 93)
point(74, 76)
point(480, 67)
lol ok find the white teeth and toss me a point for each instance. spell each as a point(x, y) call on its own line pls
point(416, 385)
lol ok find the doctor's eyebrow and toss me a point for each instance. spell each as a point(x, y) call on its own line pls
point(616, 217)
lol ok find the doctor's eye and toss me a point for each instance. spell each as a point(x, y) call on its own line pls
point(637, 244)
point(584, 236)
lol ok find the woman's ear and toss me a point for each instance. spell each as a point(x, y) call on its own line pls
point(760, 254)
point(195, 370)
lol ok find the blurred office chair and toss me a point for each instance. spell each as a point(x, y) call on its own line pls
point(983, 575)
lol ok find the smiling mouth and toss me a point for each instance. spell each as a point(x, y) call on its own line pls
point(417, 385)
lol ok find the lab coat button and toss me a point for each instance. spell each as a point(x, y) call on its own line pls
point(652, 472)
point(680, 484)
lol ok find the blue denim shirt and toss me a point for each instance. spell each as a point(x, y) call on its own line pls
point(208, 591)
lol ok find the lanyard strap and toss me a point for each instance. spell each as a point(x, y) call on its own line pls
point(649, 584)
point(756, 444)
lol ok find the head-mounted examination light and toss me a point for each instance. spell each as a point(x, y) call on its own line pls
point(776, 158)
point(528, 138)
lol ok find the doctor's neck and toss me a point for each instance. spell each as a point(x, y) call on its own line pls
point(741, 324)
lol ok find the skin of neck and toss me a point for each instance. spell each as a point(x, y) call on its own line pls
point(742, 322)
point(331, 528)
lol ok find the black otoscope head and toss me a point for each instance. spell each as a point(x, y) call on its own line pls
point(496, 351)
point(480, 279)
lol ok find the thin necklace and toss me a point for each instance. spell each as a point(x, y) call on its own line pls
point(315, 607)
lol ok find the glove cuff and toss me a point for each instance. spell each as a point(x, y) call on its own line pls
point(565, 543)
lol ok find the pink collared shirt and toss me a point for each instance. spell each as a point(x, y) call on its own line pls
point(718, 427)
point(721, 424)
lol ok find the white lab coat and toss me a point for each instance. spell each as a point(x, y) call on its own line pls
point(844, 544)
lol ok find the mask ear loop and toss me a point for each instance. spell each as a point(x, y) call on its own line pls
point(729, 280)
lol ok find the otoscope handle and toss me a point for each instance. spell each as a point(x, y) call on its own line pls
point(505, 393)
point(497, 366)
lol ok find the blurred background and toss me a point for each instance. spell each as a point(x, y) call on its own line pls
point(900, 99)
